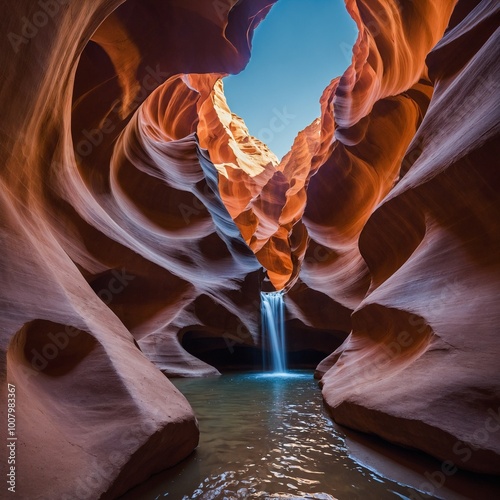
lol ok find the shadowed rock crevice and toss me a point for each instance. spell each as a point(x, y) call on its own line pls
point(428, 246)
point(137, 209)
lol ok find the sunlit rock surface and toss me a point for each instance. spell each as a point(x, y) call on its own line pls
point(138, 214)
point(420, 367)
point(113, 234)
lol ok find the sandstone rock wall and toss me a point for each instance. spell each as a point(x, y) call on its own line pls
point(113, 233)
point(137, 209)
point(420, 367)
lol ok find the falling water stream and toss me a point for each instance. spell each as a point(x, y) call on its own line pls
point(273, 331)
point(265, 436)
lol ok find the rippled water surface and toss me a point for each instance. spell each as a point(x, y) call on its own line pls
point(265, 437)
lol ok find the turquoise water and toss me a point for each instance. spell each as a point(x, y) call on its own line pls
point(265, 436)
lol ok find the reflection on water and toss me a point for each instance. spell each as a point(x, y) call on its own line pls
point(265, 437)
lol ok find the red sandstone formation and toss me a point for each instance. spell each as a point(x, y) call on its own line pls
point(137, 212)
point(420, 367)
point(112, 228)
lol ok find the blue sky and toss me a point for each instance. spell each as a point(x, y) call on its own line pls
point(297, 50)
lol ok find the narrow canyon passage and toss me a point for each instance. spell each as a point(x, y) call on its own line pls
point(140, 221)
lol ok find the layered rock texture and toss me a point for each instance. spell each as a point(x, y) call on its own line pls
point(420, 366)
point(139, 215)
point(113, 234)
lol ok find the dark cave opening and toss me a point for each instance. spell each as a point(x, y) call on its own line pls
point(306, 348)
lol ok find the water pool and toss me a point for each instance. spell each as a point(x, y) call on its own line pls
point(265, 436)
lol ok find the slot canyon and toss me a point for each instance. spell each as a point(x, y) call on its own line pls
point(140, 222)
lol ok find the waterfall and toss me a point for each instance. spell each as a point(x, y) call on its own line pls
point(273, 331)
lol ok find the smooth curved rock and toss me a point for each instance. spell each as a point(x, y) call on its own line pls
point(139, 215)
point(95, 245)
point(422, 359)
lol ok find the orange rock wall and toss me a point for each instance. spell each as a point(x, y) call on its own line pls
point(136, 209)
point(113, 234)
point(422, 358)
